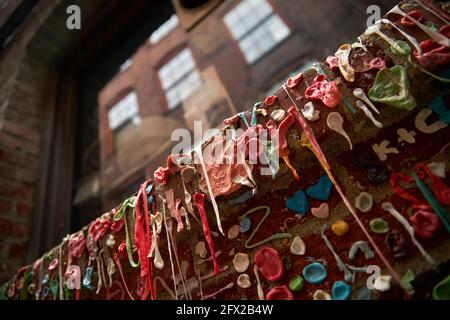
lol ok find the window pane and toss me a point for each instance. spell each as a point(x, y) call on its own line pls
point(125, 109)
point(246, 15)
point(277, 28)
point(263, 38)
point(175, 69)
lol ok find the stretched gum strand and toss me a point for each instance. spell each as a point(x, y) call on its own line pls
point(321, 157)
point(272, 237)
point(439, 38)
point(208, 184)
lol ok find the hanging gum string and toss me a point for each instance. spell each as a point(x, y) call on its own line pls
point(168, 246)
point(199, 202)
point(165, 286)
point(348, 275)
point(272, 237)
point(183, 279)
point(315, 148)
point(121, 214)
point(171, 241)
point(61, 291)
point(208, 184)
point(144, 237)
point(119, 266)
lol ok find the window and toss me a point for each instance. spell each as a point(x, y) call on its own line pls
point(164, 29)
point(124, 111)
point(179, 78)
point(256, 28)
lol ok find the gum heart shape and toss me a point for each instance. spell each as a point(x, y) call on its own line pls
point(298, 202)
point(322, 212)
point(326, 91)
point(298, 246)
point(341, 291)
point(268, 262)
point(315, 273)
point(321, 190)
point(425, 224)
point(279, 293)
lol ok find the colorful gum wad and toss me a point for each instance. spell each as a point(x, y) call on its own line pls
point(325, 91)
point(391, 87)
point(269, 263)
point(433, 55)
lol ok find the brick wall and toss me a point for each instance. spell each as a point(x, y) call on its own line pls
point(22, 82)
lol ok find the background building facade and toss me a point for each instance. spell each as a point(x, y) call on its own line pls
point(86, 115)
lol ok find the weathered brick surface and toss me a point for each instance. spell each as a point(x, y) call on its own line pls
point(21, 125)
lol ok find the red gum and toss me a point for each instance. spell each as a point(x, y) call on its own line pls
point(326, 91)
point(441, 190)
point(270, 100)
point(280, 293)
point(293, 82)
point(269, 263)
point(98, 229)
point(282, 141)
point(142, 237)
point(425, 224)
point(77, 246)
point(433, 54)
point(415, 14)
point(161, 175)
point(199, 202)
point(394, 180)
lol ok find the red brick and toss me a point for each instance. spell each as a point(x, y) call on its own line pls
point(7, 171)
point(10, 228)
point(17, 250)
point(16, 173)
point(6, 227)
point(17, 143)
point(5, 206)
point(20, 131)
point(23, 209)
point(17, 158)
point(15, 190)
